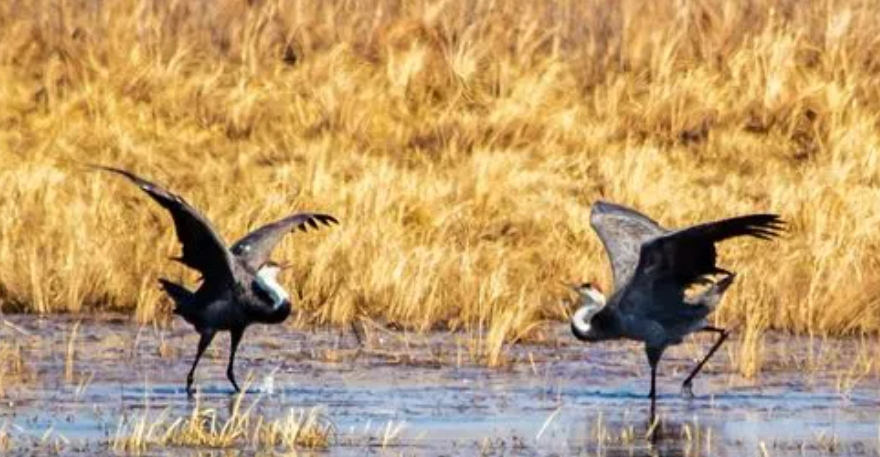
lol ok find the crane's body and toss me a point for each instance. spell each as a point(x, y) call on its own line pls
point(663, 330)
point(239, 284)
point(653, 268)
point(264, 302)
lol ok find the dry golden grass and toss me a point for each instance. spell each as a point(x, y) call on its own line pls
point(460, 142)
point(244, 427)
point(605, 438)
point(5, 439)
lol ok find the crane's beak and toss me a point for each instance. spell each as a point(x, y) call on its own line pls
point(572, 286)
point(277, 265)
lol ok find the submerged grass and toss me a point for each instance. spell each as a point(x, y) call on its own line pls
point(460, 143)
point(13, 369)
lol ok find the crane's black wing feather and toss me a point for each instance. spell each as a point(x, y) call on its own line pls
point(255, 248)
point(686, 255)
point(203, 248)
point(669, 264)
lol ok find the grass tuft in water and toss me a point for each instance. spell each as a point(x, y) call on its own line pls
point(306, 428)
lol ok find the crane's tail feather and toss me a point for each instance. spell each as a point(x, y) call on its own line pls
point(725, 282)
point(716, 292)
point(182, 297)
point(711, 296)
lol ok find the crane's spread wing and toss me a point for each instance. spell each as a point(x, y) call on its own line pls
point(256, 247)
point(203, 249)
point(669, 264)
point(622, 231)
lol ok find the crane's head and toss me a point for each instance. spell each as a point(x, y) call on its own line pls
point(589, 292)
point(592, 300)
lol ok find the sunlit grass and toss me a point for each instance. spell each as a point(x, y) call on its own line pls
point(70, 353)
point(460, 143)
point(5, 439)
point(242, 427)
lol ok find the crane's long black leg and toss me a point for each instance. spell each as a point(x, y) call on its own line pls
point(204, 342)
point(687, 385)
point(235, 339)
point(653, 391)
point(654, 354)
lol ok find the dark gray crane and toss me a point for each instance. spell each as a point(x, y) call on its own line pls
point(238, 286)
point(653, 268)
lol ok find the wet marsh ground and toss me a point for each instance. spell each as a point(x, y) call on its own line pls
point(105, 385)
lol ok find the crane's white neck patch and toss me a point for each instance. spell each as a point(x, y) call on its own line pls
point(266, 278)
point(581, 318)
point(592, 302)
point(593, 295)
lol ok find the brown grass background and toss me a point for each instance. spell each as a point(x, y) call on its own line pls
point(460, 142)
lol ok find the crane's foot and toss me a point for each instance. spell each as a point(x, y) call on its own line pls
point(687, 390)
point(231, 376)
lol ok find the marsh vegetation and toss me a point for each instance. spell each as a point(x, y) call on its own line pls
point(460, 143)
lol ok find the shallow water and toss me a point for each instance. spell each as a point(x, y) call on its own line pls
point(560, 397)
